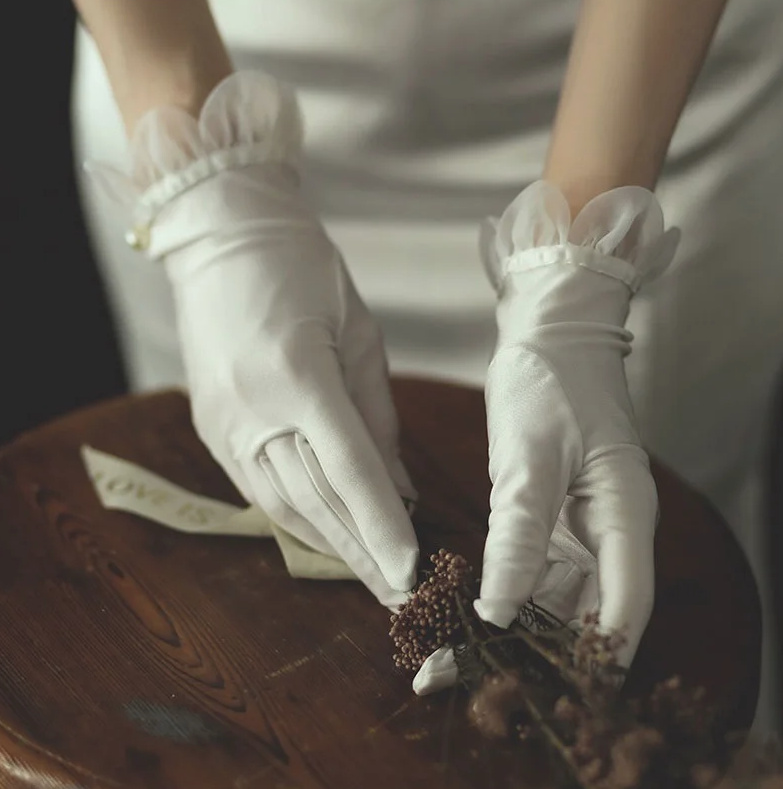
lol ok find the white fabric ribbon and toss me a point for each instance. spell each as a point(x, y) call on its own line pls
point(124, 486)
point(121, 485)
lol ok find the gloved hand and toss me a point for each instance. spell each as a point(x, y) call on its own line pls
point(567, 589)
point(560, 421)
point(285, 365)
point(563, 445)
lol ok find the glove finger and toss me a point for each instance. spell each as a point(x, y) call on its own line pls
point(534, 449)
point(619, 517)
point(439, 671)
point(344, 461)
point(271, 497)
point(295, 463)
point(366, 373)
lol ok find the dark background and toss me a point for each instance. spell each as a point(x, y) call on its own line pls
point(57, 343)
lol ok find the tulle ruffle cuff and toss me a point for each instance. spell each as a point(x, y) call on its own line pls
point(619, 233)
point(249, 118)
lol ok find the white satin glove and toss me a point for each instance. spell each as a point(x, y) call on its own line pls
point(562, 434)
point(285, 365)
point(563, 446)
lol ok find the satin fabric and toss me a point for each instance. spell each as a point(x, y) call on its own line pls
point(422, 117)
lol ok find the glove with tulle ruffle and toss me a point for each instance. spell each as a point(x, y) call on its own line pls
point(563, 445)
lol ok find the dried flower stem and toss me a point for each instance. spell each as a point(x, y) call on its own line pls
point(554, 660)
point(530, 706)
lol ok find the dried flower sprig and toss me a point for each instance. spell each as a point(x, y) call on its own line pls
point(542, 680)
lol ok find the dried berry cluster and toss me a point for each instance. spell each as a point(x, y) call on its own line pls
point(431, 617)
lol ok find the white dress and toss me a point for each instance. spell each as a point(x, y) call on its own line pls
point(424, 116)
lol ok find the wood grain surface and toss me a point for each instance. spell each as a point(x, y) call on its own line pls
point(134, 656)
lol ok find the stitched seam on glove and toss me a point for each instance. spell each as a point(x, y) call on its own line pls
point(572, 255)
point(355, 534)
point(174, 184)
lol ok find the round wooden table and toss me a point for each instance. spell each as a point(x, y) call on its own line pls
point(134, 656)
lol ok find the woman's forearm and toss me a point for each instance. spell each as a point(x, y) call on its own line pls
point(156, 52)
point(631, 67)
